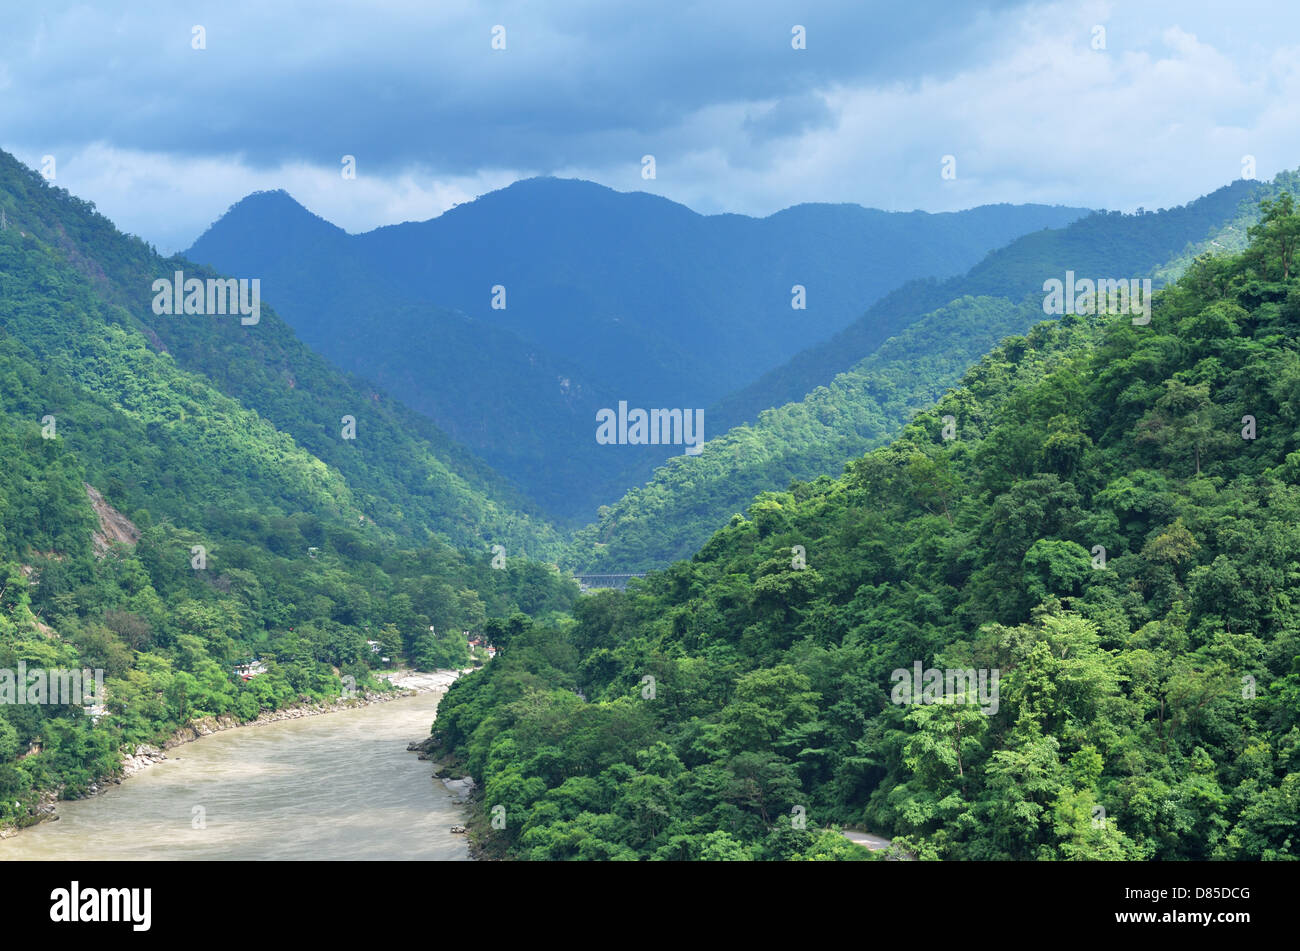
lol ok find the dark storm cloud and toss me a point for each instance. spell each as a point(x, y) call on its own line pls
point(164, 137)
point(404, 82)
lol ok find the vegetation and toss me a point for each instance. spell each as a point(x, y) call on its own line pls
point(1102, 532)
point(609, 297)
point(870, 401)
point(1104, 515)
point(249, 545)
point(689, 497)
point(78, 295)
point(1108, 243)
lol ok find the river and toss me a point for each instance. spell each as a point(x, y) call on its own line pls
point(334, 787)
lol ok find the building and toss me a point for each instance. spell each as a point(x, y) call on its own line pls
point(250, 670)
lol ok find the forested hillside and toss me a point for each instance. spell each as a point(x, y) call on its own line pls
point(604, 296)
point(401, 471)
point(687, 499)
point(1105, 243)
point(1112, 532)
point(220, 537)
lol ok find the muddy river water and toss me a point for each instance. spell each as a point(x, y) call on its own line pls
point(338, 786)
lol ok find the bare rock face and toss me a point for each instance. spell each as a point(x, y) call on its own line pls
point(143, 757)
point(421, 747)
point(197, 728)
point(114, 527)
point(461, 788)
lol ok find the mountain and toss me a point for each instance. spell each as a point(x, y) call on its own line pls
point(688, 499)
point(1110, 244)
point(177, 497)
point(685, 500)
point(608, 296)
point(1066, 633)
point(403, 472)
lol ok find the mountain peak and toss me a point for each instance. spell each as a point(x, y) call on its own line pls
point(277, 204)
point(271, 216)
point(566, 194)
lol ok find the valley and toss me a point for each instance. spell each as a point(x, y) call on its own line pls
point(694, 653)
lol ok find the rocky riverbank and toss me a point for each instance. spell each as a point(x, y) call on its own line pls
point(461, 786)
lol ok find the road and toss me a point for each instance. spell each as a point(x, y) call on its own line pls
point(867, 840)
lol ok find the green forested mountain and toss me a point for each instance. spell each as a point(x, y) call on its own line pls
point(220, 534)
point(1112, 532)
point(401, 471)
point(1105, 243)
point(689, 498)
point(604, 296)
point(686, 499)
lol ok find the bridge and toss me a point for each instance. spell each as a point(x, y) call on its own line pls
point(587, 582)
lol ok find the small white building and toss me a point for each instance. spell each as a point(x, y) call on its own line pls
point(250, 670)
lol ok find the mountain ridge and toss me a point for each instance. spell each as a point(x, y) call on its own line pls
point(620, 295)
point(868, 402)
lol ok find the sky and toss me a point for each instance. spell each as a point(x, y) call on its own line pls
point(929, 104)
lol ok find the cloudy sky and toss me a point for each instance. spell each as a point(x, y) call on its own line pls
point(1113, 105)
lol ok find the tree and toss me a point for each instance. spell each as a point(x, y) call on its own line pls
point(763, 782)
point(390, 643)
point(719, 846)
point(932, 481)
point(767, 704)
point(1185, 420)
point(501, 632)
point(1275, 238)
point(1055, 566)
point(946, 740)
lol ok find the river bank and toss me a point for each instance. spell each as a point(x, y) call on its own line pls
point(320, 788)
point(409, 683)
point(462, 788)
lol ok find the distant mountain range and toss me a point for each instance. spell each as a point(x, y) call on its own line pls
point(601, 296)
point(828, 405)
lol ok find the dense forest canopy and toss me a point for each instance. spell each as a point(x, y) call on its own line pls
point(1114, 529)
